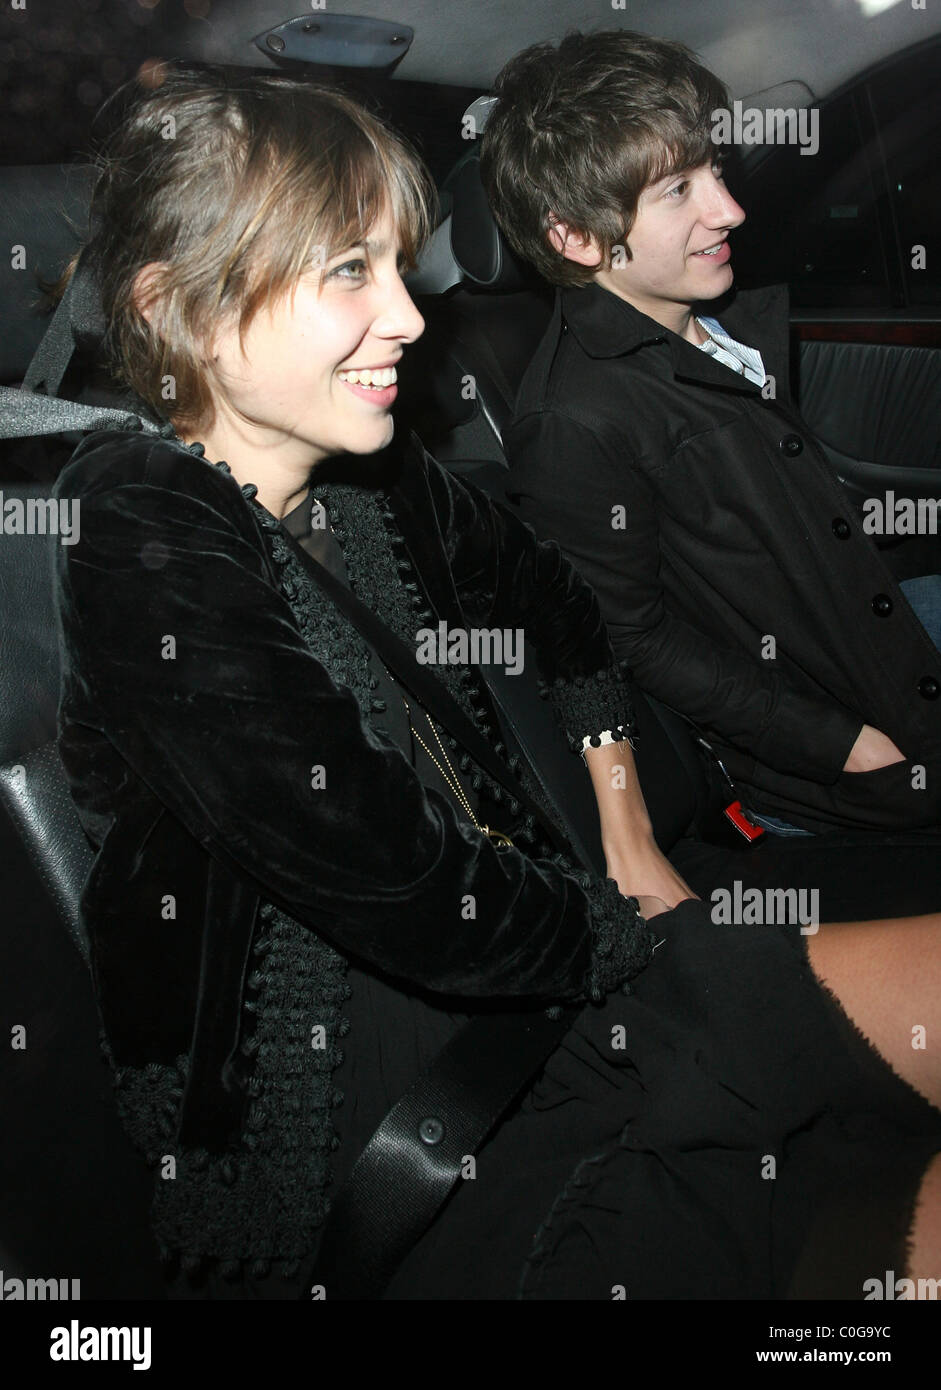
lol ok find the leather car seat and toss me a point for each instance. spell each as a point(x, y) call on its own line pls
point(74, 1197)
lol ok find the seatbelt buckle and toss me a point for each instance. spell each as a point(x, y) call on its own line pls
point(745, 827)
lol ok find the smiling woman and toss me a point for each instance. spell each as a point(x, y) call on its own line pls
point(290, 850)
point(216, 202)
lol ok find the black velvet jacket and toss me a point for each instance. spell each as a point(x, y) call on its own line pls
point(256, 828)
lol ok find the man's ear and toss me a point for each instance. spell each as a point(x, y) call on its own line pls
point(147, 289)
point(574, 246)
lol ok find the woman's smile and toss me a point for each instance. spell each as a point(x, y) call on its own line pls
point(377, 385)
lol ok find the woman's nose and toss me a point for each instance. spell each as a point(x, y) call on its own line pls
point(400, 318)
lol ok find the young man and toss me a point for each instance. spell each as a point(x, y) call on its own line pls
point(655, 439)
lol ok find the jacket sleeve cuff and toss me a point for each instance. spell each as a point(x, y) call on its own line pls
point(591, 705)
point(622, 943)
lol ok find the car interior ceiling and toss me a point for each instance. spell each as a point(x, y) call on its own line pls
point(460, 45)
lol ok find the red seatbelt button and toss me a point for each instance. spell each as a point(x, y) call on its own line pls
point(743, 825)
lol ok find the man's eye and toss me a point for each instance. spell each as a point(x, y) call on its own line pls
point(678, 189)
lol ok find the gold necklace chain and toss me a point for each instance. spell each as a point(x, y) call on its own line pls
point(452, 781)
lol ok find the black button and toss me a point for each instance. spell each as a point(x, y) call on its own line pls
point(840, 528)
point(431, 1130)
point(929, 688)
point(792, 444)
point(882, 605)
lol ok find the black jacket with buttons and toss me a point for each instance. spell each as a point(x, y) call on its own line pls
point(731, 567)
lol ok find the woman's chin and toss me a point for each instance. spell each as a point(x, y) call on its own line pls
point(372, 440)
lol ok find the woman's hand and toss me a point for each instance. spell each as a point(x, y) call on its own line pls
point(642, 872)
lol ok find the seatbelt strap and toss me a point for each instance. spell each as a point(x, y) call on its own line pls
point(420, 1152)
point(433, 695)
point(34, 408)
point(78, 314)
point(415, 1158)
point(28, 414)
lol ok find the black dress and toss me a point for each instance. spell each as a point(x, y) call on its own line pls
point(670, 1149)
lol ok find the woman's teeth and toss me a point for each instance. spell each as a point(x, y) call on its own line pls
point(713, 250)
point(376, 377)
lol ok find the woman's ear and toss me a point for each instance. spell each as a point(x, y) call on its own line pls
point(575, 246)
point(147, 289)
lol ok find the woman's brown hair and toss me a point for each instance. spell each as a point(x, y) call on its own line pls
point(579, 131)
point(231, 185)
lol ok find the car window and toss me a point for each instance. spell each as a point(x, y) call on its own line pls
point(906, 100)
point(813, 219)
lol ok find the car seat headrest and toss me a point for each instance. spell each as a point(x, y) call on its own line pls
point(479, 246)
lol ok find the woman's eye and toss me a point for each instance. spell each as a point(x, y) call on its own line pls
point(678, 189)
point(349, 270)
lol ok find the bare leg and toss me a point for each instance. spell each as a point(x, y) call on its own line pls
point(887, 977)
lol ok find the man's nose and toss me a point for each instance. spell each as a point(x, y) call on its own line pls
point(719, 207)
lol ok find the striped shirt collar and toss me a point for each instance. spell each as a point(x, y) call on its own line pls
point(740, 358)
